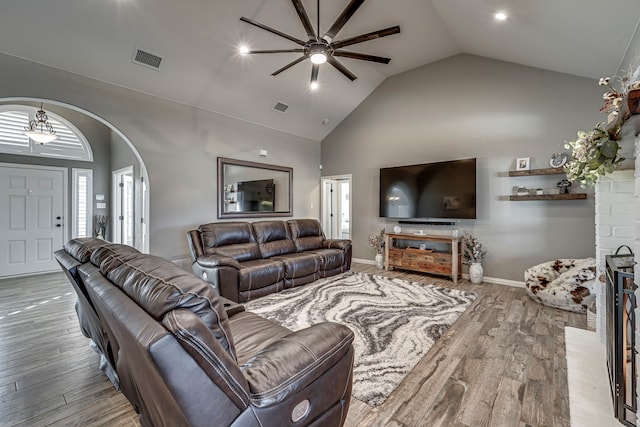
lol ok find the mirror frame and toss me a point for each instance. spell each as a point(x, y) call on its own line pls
point(223, 161)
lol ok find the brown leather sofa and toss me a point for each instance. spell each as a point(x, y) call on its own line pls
point(244, 260)
point(188, 357)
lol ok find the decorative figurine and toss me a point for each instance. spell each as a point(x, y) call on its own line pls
point(564, 186)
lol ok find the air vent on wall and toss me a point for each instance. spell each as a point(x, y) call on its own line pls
point(147, 59)
point(280, 107)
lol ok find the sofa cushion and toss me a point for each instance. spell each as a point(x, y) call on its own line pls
point(259, 273)
point(331, 258)
point(306, 234)
point(252, 333)
point(232, 239)
point(273, 238)
point(300, 264)
point(159, 286)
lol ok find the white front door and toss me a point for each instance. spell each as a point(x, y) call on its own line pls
point(32, 201)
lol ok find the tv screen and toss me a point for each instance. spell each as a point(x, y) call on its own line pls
point(429, 190)
point(256, 195)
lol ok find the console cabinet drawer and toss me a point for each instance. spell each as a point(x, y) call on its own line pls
point(427, 261)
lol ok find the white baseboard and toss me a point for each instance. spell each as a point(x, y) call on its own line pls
point(184, 263)
point(363, 261)
point(496, 280)
point(499, 281)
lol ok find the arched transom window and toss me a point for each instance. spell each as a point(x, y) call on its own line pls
point(71, 143)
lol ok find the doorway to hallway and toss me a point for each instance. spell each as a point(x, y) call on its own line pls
point(336, 206)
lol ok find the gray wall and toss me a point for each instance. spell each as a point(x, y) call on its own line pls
point(178, 145)
point(467, 106)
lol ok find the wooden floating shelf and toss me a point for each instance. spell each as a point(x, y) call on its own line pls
point(532, 172)
point(569, 196)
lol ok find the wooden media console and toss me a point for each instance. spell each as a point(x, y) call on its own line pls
point(425, 253)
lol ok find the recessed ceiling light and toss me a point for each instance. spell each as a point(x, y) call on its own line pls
point(243, 50)
point(500, 16)
point(314, 85)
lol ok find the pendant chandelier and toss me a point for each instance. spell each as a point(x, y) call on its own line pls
point(40, 130)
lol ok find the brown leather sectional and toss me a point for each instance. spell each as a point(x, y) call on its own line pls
point(247, 260)
point(185, 356)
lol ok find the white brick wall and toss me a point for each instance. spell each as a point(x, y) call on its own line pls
point(615, 226)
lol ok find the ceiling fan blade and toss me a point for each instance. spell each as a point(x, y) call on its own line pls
point(366, 37)
point(277, 51)
point(346, 14)
point(314, 73)
point(362, 56)
point(306, 23)
point(348, 74)
point(272, 30)
point(289, 65)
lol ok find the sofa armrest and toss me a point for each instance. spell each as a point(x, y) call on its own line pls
point(336, 244)
point(219, 365)
point(293, 362)
point(221, 271)
point(213, 261)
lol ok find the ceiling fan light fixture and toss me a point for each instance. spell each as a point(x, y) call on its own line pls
point(243, 50)
point(314, 85)
point(318, 58)
point(318, 53)
point(320, 49)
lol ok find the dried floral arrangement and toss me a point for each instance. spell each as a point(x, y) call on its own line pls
point(100, 225)
point(595, 153)
point(377, 241)
point(472, 249)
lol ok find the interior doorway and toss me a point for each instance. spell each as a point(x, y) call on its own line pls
point(141, 183)
point(336, 206)
point(123, 206)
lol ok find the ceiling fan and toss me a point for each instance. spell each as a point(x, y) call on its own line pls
point(324, 49)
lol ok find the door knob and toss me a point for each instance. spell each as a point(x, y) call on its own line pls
point(58, 217)
point(58, 225)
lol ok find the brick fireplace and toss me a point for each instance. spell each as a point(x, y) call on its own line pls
point(617, 219)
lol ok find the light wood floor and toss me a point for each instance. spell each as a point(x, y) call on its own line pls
point(501, 364)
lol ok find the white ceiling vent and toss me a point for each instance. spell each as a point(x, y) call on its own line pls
point(281, 107)
point(147, 59)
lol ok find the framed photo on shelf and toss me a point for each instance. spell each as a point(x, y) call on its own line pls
point(522, 163)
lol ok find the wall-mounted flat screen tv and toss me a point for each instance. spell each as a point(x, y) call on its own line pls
point(429, 190)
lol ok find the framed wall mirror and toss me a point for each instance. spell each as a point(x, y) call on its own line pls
point(249, 189)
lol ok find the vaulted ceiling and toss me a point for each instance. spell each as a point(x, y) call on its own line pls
point(199, 40)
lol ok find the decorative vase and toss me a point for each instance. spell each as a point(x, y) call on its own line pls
point(379, 261)
point(476, 273)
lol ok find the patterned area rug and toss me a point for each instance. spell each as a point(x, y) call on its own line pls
point(395, 322)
